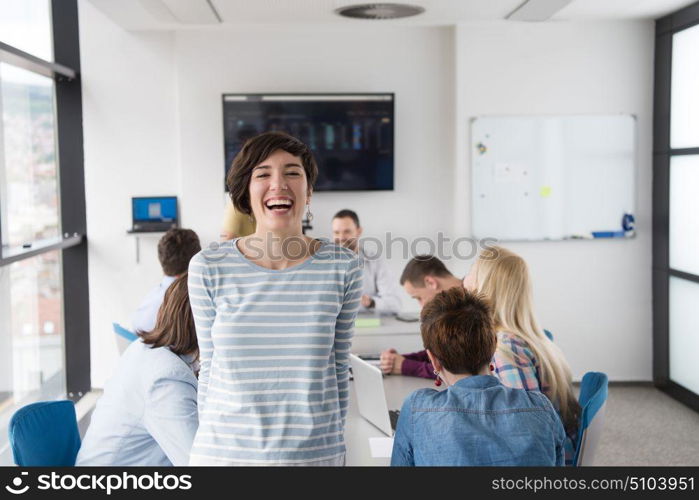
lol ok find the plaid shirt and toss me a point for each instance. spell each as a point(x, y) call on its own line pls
point(521, 371)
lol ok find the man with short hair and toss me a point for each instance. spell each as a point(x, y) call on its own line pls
point(380, 292)
point(175, 249)
point(423, 278)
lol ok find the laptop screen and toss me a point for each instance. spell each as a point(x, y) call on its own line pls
point(156, 209)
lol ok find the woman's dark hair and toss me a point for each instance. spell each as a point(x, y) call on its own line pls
point(457, 328)
point(174, 326)
point(254, 152)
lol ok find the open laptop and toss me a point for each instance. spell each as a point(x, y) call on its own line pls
point(371, 397)
point(153, 214)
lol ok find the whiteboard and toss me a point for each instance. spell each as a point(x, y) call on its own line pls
point(553, 177)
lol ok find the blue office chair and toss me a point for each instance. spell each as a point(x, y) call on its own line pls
point(124, 337)
point(593, 399)
point(45, 434)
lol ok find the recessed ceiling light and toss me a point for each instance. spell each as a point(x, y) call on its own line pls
point(380, 11)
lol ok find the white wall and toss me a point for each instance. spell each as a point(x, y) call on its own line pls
point(129, 119)
point(415, 63)
point(595, 296)
point(153, 125)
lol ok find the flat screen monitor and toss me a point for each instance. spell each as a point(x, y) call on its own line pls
point(154, 209)
point(351, 135)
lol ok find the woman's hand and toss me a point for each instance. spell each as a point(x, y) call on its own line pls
point(391, 362)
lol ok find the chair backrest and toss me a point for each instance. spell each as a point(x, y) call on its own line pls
point(593, 399)
point(45, 434)
point(124, 337)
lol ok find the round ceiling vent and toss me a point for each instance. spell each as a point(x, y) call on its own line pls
point(380, 11)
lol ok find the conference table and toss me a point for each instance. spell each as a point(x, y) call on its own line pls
point(404, 337)
point(401, 335)
point(358, 430)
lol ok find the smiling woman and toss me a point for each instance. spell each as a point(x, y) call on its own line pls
point(271, 179)
point(274, 314)
point(255, 157)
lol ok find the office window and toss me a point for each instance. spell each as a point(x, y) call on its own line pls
point(684, 333)
point(684, 109)
point(28, 167)
point(675, 205)
point(44, 318)
point(26, 25)
point(684, 208)
point(32, 357)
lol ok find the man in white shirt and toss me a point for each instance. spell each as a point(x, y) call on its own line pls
point(175, 249)
point(380, 288)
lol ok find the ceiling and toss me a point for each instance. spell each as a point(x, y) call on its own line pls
point(198, 14)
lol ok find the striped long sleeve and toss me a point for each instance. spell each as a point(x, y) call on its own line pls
point(344, 330)
point(274, 353)
point(203, 310)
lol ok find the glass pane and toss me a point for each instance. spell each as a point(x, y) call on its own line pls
point(684, 207)
point(28, 170)
point(684, 107)
point(26, 25)
point(32, 360)
point(684, 333)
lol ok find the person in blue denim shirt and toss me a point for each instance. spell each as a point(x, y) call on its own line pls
point(476, 420)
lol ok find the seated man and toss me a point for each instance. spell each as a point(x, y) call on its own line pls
point(380, 292)
point(175, 249)
point(476, 421)
point(423, 278)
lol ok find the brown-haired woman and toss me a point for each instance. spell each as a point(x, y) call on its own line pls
point(148, 413)
point(274, 313)
point(476, 420)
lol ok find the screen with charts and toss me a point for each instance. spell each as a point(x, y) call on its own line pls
point(351, 135)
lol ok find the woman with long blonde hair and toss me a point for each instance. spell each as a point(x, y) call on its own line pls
point(525, 357)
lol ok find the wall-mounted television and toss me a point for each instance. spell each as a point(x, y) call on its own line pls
point(351, 135)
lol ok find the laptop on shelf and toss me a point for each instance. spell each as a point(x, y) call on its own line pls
point(153, 214)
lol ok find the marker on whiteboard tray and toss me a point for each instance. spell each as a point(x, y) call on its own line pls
point(628, 224)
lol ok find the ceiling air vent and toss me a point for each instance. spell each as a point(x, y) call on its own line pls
point(380, 11)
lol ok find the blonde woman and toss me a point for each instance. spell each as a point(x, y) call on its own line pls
point(525, 358)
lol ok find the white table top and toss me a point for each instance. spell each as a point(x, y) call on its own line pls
point(389, 326)
point(358, 431)
point(392, 333)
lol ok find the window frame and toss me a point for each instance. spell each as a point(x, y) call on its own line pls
point(665, 29)
point(65, 71)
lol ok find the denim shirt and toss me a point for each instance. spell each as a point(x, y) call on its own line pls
point(147, 415)
point(478, 421)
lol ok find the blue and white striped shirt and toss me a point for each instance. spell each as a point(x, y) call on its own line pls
point(274, 351)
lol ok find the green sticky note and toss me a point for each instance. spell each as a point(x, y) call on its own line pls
point(367, 322)
point(545, 191)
